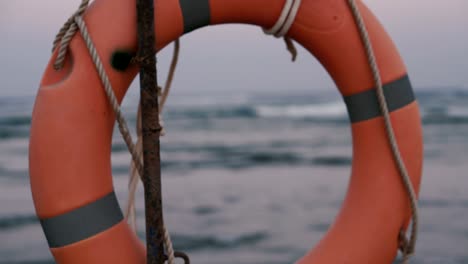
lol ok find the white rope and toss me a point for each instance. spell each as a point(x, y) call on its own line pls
point(409, 247)
point(285, 20)
point(66, 34)
point(63, 39)
point(284, 23)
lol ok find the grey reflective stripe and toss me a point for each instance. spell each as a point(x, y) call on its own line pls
point(364, 106)
point(83, 222)
point(196, 14)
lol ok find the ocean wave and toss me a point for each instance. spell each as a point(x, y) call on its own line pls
point(221, 149)
point(15, 121)
point(17, 221)
point(445, 115)
point(319, 227)
point(14, 126)
point(12, 132)
point(457, 112)
point(7, 134)
point(205, 210)
point(202, 242)
point(221, 112)
point(210, 101)
point(29, 262)
point(441, 203)
point(273, 158)
point(314, 113)
point(332, 161)
point(333, 111)
point(202, 114)
point(238, 160)
point(17, 126)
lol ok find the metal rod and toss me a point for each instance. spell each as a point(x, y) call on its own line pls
point(150, 131)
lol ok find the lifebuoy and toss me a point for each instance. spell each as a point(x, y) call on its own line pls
point(72, 125)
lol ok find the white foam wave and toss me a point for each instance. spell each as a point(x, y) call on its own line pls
point(457, 112)
point(333, 110)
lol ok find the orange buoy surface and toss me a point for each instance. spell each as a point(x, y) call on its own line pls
point(72, 125)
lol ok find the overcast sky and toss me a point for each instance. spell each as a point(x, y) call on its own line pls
point(432, 36)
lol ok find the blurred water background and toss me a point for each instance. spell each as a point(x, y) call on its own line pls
point(257, 176)
point(254, 177)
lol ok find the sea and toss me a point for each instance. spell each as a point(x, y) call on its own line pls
point(254, 178)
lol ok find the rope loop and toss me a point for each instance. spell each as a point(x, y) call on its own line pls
point(403, 244)
point(284, 23)
point(181, 255)
point(65, 35)
point(285, 20)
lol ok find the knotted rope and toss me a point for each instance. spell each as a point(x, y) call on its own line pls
point(284, 23)
point(407, 247)
point(63, 38)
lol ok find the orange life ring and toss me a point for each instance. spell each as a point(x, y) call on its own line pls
point(72, 126)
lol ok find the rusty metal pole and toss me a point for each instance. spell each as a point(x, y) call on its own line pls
point(150, 131)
